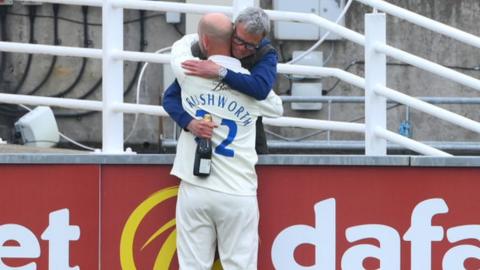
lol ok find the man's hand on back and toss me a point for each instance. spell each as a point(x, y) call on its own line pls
point(201, 128)
point(203, 68)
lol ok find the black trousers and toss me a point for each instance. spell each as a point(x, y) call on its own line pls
point(260, 139)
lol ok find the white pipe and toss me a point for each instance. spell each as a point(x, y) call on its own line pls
point(169, 6)
point(322, 71)
point(317, 20)
point(424, 22)
point(314, 124)
point(141, 57)
point(89, 105)
point(409, 143)
point(428, 108)
point(93, 3)
point(139, 108)
point(18, 47)
point(429, 66)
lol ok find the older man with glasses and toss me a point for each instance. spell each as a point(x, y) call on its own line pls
point(256, 54)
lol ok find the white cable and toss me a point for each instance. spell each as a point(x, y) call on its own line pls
point(329, 56)
point(75, 142)
point(135, 121)
point(25, 107)
point(293, 61)
point(63, 135)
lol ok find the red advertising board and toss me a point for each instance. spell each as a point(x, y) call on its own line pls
point(312, 217)
point(369, 217)
point(49, 216)
point(138, 217)
point(307, 214)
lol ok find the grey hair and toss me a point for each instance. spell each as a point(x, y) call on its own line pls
point(255, 21)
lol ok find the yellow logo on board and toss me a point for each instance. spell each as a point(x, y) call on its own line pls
point(167, 250)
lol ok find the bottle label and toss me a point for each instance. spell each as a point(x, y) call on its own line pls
point(205, 166)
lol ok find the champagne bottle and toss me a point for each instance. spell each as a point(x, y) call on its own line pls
point(203, 155)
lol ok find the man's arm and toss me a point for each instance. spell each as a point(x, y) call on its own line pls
point(257, 85)
point(172, 103)
point(261, 79)
point(172, 98)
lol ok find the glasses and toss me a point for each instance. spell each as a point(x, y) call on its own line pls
point(247, 45)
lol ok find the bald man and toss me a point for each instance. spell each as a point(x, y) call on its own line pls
point(222, 207)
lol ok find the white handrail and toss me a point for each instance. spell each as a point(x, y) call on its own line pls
point(160, 111)
point(93, 3)
point(172, 7)
point(139, 108)
point(274, 15)
point(141, 57)
point(18, 47)
point(323, 72)
point(281, 121)
point(429, 66)
point(69, 103)
point(428, 108)
point(409, 143)
point(315, 124)
point(424, 22)
point(319, 21)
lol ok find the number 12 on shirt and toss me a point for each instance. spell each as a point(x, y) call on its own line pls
point(222, 148)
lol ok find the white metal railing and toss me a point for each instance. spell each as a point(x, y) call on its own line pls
point(428, 108)
point(428, 66)
point(315, 124)
point(425, 22)
point(113, 55)
point(170, 6)
point(68, 103)
point(409, 143)
point(322, 71)
point(18, 47)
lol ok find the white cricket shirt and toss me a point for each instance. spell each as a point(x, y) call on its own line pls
point(233, 156)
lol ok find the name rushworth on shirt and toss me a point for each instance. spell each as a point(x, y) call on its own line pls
point(218, 100)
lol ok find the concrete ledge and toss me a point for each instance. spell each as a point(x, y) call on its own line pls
point(308, 160)
point(421, 161)
point(336, 160)
point(15, 149)
point(313, 160)
point(86, 159)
